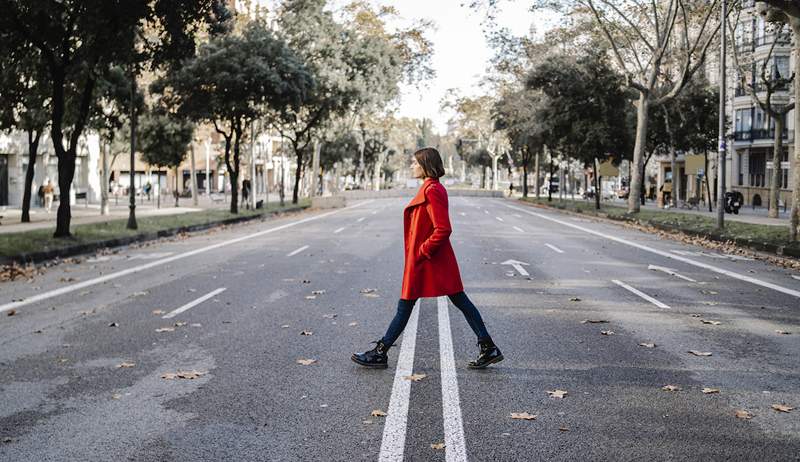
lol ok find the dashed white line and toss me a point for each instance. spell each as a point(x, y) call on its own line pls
point(670, 271)
point(361, 219)
point(296, 251)
point(394, 429)
point(374, 212)
point(193, 303)
point(554, 248)
point(640, 293)
point(733, 274)
point(339, 230)
point(455, 448)
point(499, 219)
point(486, 211)
point(152, 264)
point(519, 229)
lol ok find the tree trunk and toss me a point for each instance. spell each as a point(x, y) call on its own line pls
point(234, 172)
point(775, 182)
point(33, 147)
point(177, 193)
point(104, 208)
point(550, 182)
point(596, 181)
point(297, 175)
point(193, 179)
point(524, 180)
point(537, 182)
point(642, 111)
point(708, 181)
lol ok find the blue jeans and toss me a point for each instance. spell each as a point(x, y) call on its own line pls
point(460, 300)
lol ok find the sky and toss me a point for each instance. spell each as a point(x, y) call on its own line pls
point(461, 53)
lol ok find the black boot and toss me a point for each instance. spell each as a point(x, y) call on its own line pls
point(375, 358)
point(489, 354)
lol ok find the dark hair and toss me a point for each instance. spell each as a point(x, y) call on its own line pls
point(430, 161)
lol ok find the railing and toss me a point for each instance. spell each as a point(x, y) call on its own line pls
point(782, 39)
point(761, 134)
point(759, 87)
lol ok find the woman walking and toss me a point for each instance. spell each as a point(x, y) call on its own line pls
point(431, 269)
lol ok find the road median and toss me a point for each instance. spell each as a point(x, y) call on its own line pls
point(759, 237)
point(38, 245)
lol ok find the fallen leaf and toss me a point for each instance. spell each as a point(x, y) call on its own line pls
point(306, 332)
point(125, 364)
point(11, 312)
point(557, 393)
point(563, 429)
point(437, 446)
point(284, 326)
point(709, 391)
point(709, 292)
point(415, 377)
point(165, 329)
point(366, 421)
point(317, 292)
point(193, 374)
point(575, 299)
point(700, 353)
point(367, 291)
point(783, 332)
point(782, 407)
point(523, 415)
point(742, 414)
point(157, 312)
point(310, 297)
point(372, 295)
point(329, 316)
point(713, 323)
point(607, 332)
point(139, 294)
point(306, 362)
point(116, 396)
point(695, 315)
point(378, 413)
point(594, 321)
point(671, 388)
point(179, 324)
point(648, 345)
point(352, 324)
point(113, 324)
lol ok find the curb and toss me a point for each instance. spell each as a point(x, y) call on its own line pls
point(78, 249)
point(778, 250)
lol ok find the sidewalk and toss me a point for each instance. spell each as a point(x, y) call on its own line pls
point(83, 214)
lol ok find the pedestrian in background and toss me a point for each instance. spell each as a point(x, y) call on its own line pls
point(431, 269)
point(49, 191)
point(246, 193)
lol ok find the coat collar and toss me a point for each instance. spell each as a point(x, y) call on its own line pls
point(419, 198)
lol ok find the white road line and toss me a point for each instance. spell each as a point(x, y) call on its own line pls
point(640, 293)
point(733, 274)
point(374, 212)
point(361, 219)
point(136, 269)
point(485, 211)
point(296, 251)
point(462, 214)
point(796, 277)
point(339, 230)
point(499, 219)
point(554, 248)
point(455, 448)
point(192, 304)
point(519, 229)
point(394, 429)
point(670, 271)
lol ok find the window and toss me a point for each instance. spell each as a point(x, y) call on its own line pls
point(780, 67)
point(758, 169)
point(743, 120)
point(740, 168)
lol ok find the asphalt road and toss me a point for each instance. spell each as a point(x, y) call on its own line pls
point(246, 293)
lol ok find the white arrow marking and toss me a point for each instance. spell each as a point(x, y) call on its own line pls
point(670, 271)
point(517, 266)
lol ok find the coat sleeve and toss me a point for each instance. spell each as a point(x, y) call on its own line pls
point(436, 205)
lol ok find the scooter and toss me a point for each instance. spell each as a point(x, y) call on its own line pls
point(733, 202)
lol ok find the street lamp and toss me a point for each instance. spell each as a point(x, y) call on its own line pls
point(721, 151)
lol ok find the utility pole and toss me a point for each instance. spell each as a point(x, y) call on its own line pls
point(194, 175)
point(253, 165)
point(207, 146)
point(315, 169)
point(132, 187)
point(722, 145)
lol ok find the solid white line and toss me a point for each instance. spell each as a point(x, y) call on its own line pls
point(152, 264)
point(519, 229)
point(192, 304)
point(499, 219)
point(555, 249)
point(640, 293)
point(394, 429)
point(339, 230)
point(296, 251)
point(669, 255)
point(455, 448)
point(361, 219)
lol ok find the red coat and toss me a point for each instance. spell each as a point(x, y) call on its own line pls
point(431, 268)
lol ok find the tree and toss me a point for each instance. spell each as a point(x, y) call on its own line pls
point(23, 105)
point(164, 140)
point(78, 40)
point(233, 80)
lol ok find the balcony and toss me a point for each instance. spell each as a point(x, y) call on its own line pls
point(760, 87)
point(761, 134)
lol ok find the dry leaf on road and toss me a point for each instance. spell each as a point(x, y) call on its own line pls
point(377, 413)
point(306, 362)
point(709, 292)
point(575, 299)
point(782, 332)
point(113, 324)
point(317, 292)
point(306, 332)
point(648, 345)
point(708, 321)
point(523, 416)
point(557, 393)
point(165, 329)
point(125, 364)
point(671, 388)
point(190, 375)
point(367, 291)
point(329, 316)
point(157, 312)
point(371, 295)
point(594, 321)
point(415, 377)
point(179, 324)
point(742, 414)
point(310, 297)
point(285, 326)
point(782, 407)
point(700, 353)
point(11, 312)
point(437, 446)
point(708, 390)
point(353, 324)
point(607, 332)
